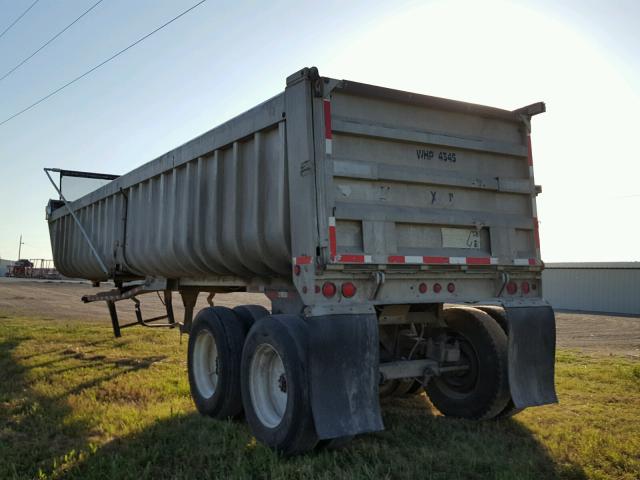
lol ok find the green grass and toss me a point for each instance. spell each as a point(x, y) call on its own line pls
point(76, 403)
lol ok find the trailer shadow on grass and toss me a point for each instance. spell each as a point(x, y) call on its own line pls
point(39, 429)
point(416, 444)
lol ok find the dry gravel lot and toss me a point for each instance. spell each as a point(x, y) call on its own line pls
point(590, 333)
point(61, 301)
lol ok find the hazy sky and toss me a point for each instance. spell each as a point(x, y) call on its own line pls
point(581, 57)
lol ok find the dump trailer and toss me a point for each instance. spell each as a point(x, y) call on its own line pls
point(395, 234)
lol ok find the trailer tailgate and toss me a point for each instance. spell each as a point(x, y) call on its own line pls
point(416, 179)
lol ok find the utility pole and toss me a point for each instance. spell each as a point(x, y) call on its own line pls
point(20, 247)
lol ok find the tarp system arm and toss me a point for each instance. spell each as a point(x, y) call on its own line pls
point(82, 230)
point(531, 110)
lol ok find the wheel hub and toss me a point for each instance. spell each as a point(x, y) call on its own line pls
point(206, 364)
point(282, 383)
point(268, 385)
point(463, 381)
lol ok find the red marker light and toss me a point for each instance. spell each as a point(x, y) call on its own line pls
point(437, 287)
point(512, 288)
point(296, 270)
point(422, 287)
point(525, 287)
point(348, 289)
point(329, 289)
point(451, 288)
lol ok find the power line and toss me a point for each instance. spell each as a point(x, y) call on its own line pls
point(49, 41)
point(18, 19)
point(51, 94)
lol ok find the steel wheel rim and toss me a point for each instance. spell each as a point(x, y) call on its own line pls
point(268, 386)
point(461, 384)
point(205, 363)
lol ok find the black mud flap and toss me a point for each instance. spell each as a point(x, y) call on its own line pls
point(343, 357)
point(532, 348)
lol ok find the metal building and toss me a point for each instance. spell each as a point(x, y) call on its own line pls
point(611, 287)
point(3, 266)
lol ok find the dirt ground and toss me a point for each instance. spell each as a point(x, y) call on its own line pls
point(62, 300)
point(590, 333)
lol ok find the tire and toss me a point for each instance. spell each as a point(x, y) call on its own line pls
point(404, 385)
point(215, 342)
point(400, 388)
point(275, 384)
point(387, 388)
point(500, 316)
point(482, 391)
point(414, 389)
point(249, 314)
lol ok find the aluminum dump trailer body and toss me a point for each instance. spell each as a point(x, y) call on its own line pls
point(360, 211)
point(335, 173)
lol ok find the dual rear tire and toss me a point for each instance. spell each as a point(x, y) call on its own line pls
point(247, 361)
point(214, 358)
point(481, 391)
point(500, 316)
point(275, 386)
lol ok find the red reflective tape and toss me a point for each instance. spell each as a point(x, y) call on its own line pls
point(536, 232)
point(478, 261)
point(533, 261)
point(529, 151)
point(396, 259)
point(333, 249)
point(303, 260)
point(351, 258)
point(327, 119)
point(435, 259)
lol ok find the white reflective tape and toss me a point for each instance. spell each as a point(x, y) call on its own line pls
point(368, 259)
point(332, 221)
point(284, 294)
point(413, 259)
point(328, 146)
point(494, 261)
point(521, 261)
point(458, 260)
